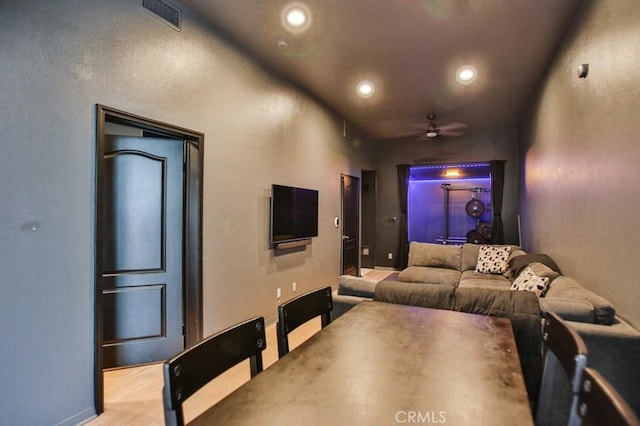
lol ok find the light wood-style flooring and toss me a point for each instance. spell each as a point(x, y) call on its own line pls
point(133, 396)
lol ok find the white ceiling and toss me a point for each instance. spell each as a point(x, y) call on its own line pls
point(410, 50)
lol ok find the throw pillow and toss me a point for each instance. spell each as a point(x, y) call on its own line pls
point(492, 259)
point(529, 281)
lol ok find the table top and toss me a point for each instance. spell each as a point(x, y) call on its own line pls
point(383, 363)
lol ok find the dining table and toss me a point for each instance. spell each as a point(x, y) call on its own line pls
point(388, 364)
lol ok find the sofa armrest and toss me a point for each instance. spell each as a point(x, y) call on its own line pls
point(569, 309)
point(568, 288)
point(349, 285)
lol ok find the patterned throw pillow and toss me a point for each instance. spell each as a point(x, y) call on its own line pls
point(493, 259)
point(529, 281)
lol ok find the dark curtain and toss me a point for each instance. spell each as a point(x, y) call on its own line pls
point(497, 188)
point(403, 236)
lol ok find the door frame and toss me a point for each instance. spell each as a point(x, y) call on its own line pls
point(368, 201)
point(192, 229)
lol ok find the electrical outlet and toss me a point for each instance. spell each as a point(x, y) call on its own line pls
point(294, 286)
point(390, 256)
point(278, 293)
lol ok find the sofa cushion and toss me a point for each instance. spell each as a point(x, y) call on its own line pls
point(436, 255)
point(568, 288)
point(470, 279)
point(430, 275)
point(356, 286)
point(493, 302)
point(493, 259)
point(469, 256)
point(415, 294)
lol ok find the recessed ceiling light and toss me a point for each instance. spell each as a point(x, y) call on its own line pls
point(365, 89)
point(296, 16)
point(466, 74)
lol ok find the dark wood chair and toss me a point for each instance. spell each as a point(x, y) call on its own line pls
point(564, 360)
point(599, 404)
point(194, 367)
point(299, 310)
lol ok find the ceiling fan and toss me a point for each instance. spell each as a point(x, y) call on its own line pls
point(431, 130)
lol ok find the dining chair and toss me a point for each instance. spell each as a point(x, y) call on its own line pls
point(194, 367)
point(599, 404)
point(564, 360)
point(295, 312)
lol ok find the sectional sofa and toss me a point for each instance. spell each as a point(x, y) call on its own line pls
point(504, 280)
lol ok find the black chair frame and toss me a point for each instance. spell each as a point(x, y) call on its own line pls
point(299, 310)
point(599, 404)
point(561, 341)
point(191, 369)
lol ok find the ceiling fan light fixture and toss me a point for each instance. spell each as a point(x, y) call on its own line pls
point(432, 129)
point(466, 74)
point(282, 44)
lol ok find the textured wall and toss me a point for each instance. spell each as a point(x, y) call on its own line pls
point(483, 145)
point(581, 151)
point(59, 59)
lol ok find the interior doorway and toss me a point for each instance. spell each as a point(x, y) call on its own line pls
point(148, 285)
point(350, 225)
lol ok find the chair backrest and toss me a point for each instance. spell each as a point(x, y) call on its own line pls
point(295, 312)
point(599, 404)
point(559, 387)
point(194, 367)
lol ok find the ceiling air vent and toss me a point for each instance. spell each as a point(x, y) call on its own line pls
point(165, 11)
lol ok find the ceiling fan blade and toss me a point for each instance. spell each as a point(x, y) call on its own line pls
point(452, 134)
point(428, 125)
point(454, 127)
point(409, 134)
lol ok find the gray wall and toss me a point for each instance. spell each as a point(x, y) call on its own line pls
point(581, 153)
point(59, 59)
point(482, 145)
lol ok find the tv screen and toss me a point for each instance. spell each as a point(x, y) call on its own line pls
point(294, 213)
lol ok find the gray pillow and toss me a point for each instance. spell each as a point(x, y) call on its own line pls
point(436, 255)
point(517, 264)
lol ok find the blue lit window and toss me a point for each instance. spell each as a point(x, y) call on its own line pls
point(439, 197)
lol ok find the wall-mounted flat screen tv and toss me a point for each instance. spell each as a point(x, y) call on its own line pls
point(294, 214)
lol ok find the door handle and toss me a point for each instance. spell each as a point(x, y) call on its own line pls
point(345, 237)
